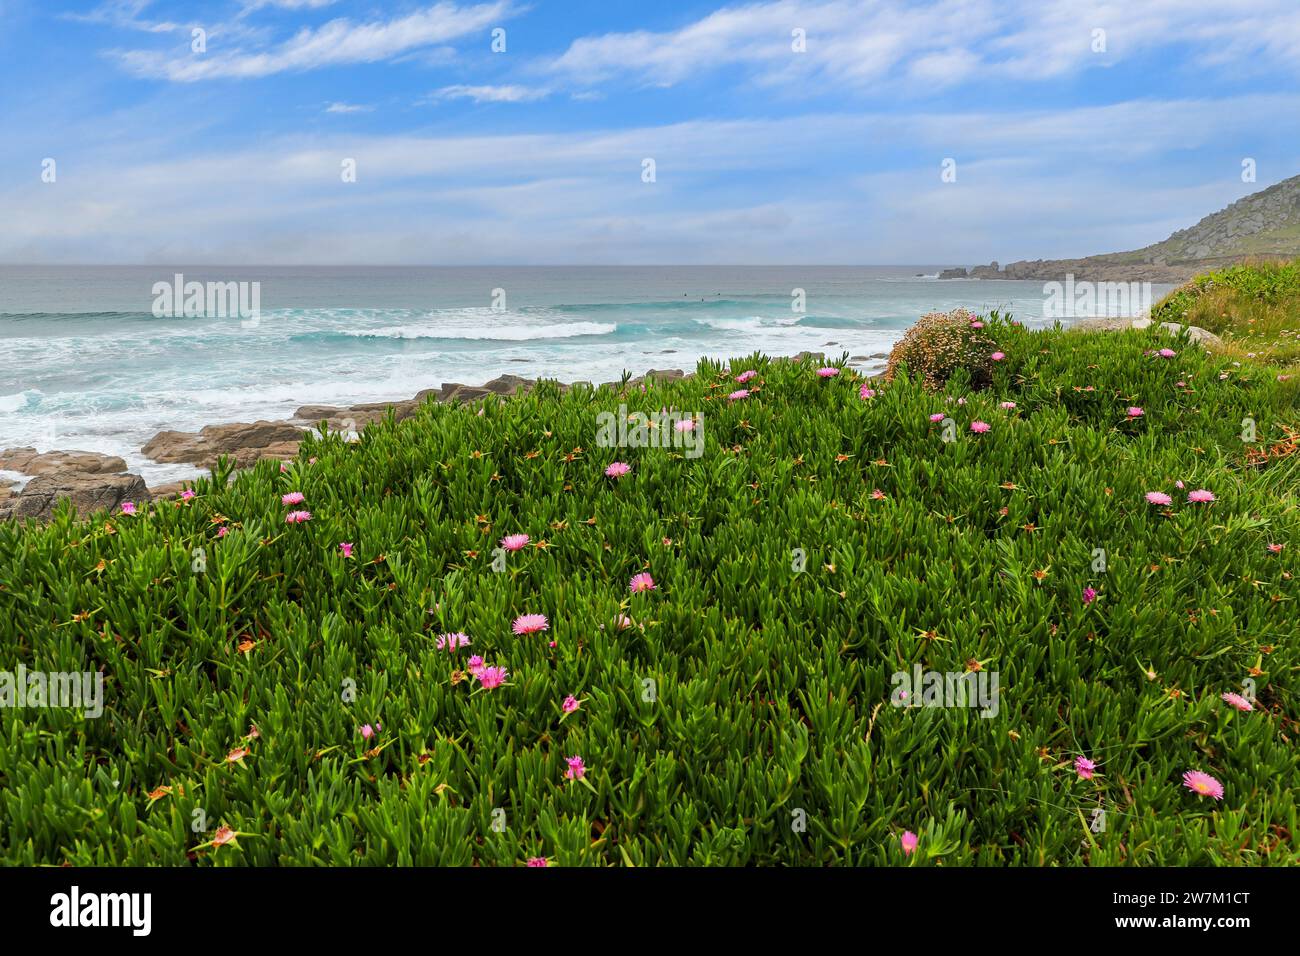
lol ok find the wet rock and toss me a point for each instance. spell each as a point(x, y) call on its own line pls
point(248, 442)
point(89, 493)
point(28, 461)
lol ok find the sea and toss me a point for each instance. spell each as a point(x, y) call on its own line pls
point(101, 358)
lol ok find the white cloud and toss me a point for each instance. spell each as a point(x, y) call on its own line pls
point(490, 94)
point(338, 42)
point(347, 108)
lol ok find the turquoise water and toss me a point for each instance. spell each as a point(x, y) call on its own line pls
point(84, 362)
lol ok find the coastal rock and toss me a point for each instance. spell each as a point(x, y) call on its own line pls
point(172, 489)
point(1194, 332)
point(953, 274)
point(247, 442)
point(89, 493)
point(28, 461)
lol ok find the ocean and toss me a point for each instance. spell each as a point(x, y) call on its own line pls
point(85, 363)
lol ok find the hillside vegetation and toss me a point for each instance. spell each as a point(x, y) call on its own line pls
point(273, 697)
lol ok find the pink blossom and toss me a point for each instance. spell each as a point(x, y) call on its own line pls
point(531, 623)
point(618, 469)
point(1158, 498)
point(738, 394)
point(187, 494)
point(128, 507)
point(475, 666)
point(877, 494)
point(577, 769)
point(451, 642)
point(293, 498)
point(1200, 496)
point(514, 542)
point(346, 548)
point(685, 425)
point(980, 427)
point(1203, 784)
point(977, 324)
point(367, 731)
point(1089, 595)
point(1007, 406)
point(1084, 767)
point(570, 704)
point(937, 417)
point(828, 372)
point(1167, 353)
point(909, 842)
point(641, 582)
point(866, 391)
point(998, 356)
point(1135, 412)
point(490, 678)
point(538, 862)
point(222, 531)
point(297, 517)
point(1236, 700)
point(744, 377)
point(1275, 548)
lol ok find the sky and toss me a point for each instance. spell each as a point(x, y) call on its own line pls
point(612, 132)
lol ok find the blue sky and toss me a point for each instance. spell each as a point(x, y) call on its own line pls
point(763, 153)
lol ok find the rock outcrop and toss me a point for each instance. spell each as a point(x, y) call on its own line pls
point(28, 461)
point(247, 443)
point(89, 493)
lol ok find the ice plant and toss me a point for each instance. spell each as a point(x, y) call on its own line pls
point(1158, 498)
point(829, 371)
point(514, 542)
point(980, 427)
point(128, 507)
point(1275, 548)
point(744, 377)
point(1084, 767)
point(1203, 784)
point(908, 842)
point(293, 498)
point(877, 494)
point(1135, 412)
point(451, 642)
point(530, 623)
point(475, 666)
point(492, 677)
point(641, 582)
point(998, 356)
point(538, 862)
point(1199, 496)
point(1089, 595)
point(1167, 353)
point(346, 548)
point(367, 731)
point(618, 469)
point(685, 425)
point(738, 394)
point(577, 769)
point(866, 391)
point(1236, 700)
point(187, 494)
point(937, 417)
point(570, 704)
point(297, 517)
point(1007, 406)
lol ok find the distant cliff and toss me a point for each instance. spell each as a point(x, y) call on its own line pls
point(1263, 225)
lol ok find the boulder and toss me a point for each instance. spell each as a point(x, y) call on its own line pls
point(28, 461)
point(89, 493)
point(247, 442)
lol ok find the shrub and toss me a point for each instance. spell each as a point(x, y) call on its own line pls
point(942, 342)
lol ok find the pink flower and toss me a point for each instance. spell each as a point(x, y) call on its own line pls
point(1158, 498)
point(618, 469)
point(1089, 595)
point(187, 494)
point(570, 704)
point(744, 377)
point(1007, 406)
point(977, 324)
point(828, 372)
point(475, 666)
point(451, 642)
point(538, 862)
point(1179, 485)
point(980, 427)
point(222, 531)
point(1084, 767)
point(367, 731)
point(576, 769)
point(738, 394)
point(937, 417)
point(1275, 548)
point(346, 548)
point(641, 582)
point(866, 391)
point(1199, 496)
point(492, 677)
point(297, 517)
point(530, 623)
point(623, 622)
point(909, 842)
point(128, 507)
point(1135, 412)
point(1236, 700)
point(514, 542)
point(877, 494)
point(685, 425)
point(293, 498)
point(1167, 353)
point(284, 466)
point(1203, 784)
point(998, 356)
